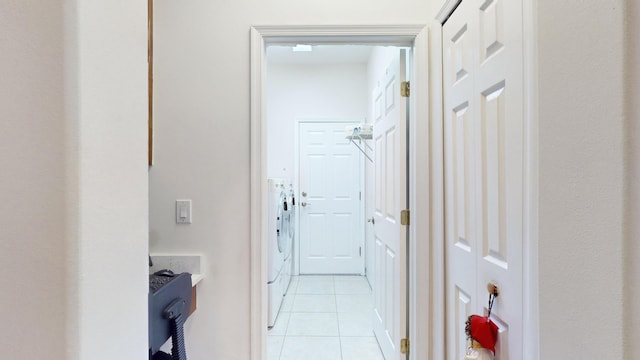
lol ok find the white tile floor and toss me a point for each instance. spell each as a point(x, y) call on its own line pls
point(325, 318)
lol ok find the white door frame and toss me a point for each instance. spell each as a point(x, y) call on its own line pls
point(296, 179)
point(531, 328)
point(419, 166)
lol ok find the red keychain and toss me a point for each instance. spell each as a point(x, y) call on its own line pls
point(482, 333)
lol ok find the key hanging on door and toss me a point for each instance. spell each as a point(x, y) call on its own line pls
point(482, 333)
point(493, 294)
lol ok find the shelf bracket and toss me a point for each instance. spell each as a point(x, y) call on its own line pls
point(354, 136)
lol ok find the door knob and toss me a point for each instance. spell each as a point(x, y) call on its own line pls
point(372, 221)
point(304, 193)
point(304, 204)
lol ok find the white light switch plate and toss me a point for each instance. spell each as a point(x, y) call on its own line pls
point(183, 211)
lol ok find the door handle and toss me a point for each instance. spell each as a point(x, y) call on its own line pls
point(304, 204)
point(372, 221)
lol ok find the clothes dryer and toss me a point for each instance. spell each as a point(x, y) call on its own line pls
point(277, 227)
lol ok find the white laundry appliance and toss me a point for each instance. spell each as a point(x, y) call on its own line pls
point(277, 228)
point(287, 270)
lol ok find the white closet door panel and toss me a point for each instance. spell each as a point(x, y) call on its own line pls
point(483, 100)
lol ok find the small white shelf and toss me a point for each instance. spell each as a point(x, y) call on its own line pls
point(361, 136)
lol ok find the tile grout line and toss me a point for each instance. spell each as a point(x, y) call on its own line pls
point(286, 329)
point(335, 298)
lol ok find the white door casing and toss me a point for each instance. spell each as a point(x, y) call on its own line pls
point(330, 219)
point(484, 156)
point(390, 198)
point(392, 34)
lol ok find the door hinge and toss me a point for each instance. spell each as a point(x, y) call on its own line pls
point(404, 217)
point(360, 251)
point(404, 346)
point(405, 89)
point(360, 195)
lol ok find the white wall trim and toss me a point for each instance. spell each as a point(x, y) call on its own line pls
point(340, 34)
point(531, 309)
point(436, 130)
point(328, 120)
point(258, 198)
point(347, 34)
point(419, 201)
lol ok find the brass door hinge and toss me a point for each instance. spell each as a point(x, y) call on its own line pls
point(404, 217)
point(405, 89)
point(404, 346)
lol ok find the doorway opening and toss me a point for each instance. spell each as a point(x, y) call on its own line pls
point(322, 104)
point(325, 241)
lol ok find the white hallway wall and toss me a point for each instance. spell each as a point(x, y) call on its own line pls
point(108, 202)
point(73, 228)
point(331, 92)
point(202, 133)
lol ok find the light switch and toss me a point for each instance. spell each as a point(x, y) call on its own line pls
point(183, 211)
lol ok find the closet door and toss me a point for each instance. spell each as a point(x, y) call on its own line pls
point(483, 137)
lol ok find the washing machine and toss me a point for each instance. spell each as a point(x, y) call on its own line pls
point(287, 270)
point(277, 227)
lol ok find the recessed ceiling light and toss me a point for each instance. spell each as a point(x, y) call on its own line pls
point(302, 48)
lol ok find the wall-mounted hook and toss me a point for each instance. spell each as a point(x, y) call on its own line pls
point(494, 291)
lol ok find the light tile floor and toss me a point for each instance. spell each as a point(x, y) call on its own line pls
point(325, 318)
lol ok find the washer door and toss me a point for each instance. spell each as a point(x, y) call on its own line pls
point(283, 223)
point(292, 219)
point(289, 225)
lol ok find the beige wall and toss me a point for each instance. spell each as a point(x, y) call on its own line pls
point(632, 186)
point(73, 183)
point(32, 180)
point(581, 155)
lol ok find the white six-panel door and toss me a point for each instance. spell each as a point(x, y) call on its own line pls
point(330, 222)
point(483, 107)
point(390, 198)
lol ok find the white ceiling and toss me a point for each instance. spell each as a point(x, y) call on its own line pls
point(321, 54)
